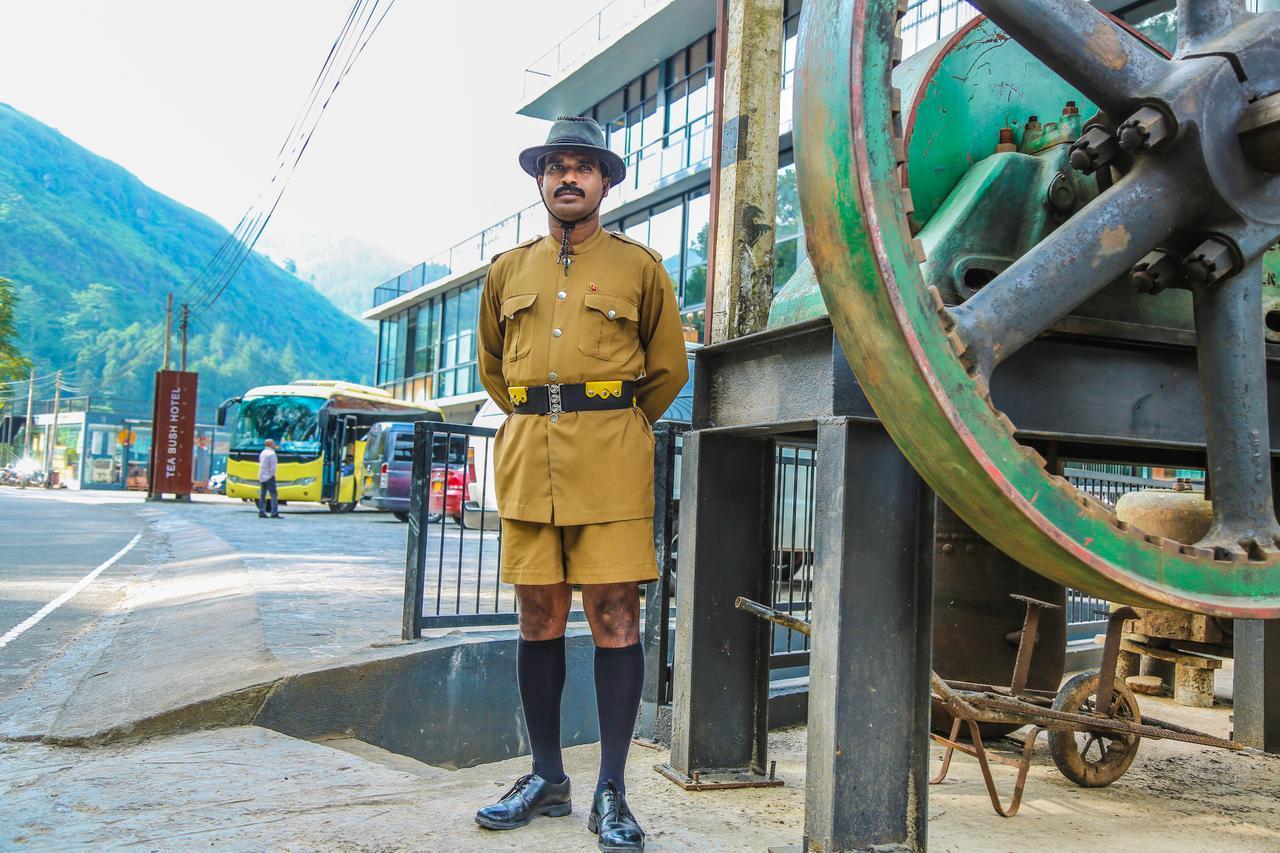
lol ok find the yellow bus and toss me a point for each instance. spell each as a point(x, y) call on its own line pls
point(319, 428)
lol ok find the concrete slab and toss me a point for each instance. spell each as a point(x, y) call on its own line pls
point(187, 630)
point(249, 788)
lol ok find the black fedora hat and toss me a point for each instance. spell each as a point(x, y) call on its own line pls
point(575, 133)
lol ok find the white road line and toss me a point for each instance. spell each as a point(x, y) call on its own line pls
point(32, 620)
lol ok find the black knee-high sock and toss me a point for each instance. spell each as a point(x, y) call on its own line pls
point(540, 668)
point(619, 680)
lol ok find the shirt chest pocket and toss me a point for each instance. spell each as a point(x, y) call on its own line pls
point(517, 313)
point(610, 327)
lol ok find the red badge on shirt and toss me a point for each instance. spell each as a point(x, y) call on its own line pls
point(593, 287)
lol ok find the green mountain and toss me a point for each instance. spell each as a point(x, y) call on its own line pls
point(92, 252)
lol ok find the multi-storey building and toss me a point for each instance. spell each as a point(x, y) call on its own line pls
point(658, 117)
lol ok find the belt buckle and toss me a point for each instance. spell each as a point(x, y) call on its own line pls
point(555, 399)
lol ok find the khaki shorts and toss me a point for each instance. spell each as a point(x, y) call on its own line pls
point(608, 552)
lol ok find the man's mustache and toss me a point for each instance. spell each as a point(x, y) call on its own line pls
point(570, 191)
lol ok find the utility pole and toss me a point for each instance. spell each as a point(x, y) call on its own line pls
point(168, 328)
point(183, 326)
point(28, 424)
point(51, 437)
point(748, 169)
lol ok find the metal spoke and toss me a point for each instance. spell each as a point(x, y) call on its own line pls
point(1200, 20)
point(1090, 250)
point(1101, 59)
point(1233, 383)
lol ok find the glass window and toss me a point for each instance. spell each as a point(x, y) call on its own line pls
point(424, 354)
point(458, 372)
point(666, 238)
point(402, 341)
point(677, 66)
point(292, 422)
point(789, 249)
point(637, 228)
point(695, 257)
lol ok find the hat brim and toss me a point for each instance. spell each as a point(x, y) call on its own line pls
point(529, 158)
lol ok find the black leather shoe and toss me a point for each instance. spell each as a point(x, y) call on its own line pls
point(531, 796)
point(611, 819)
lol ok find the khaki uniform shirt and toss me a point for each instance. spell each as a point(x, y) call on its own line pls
point(613, 317)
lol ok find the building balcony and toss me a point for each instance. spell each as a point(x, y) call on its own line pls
point(617, 44)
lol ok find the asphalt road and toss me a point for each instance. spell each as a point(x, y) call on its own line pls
point(49, 544)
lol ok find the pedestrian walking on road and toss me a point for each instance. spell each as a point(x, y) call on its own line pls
point(267, 481)
point(581, 345)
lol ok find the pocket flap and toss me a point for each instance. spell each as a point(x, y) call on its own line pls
point(613, 307)
point(513, 305)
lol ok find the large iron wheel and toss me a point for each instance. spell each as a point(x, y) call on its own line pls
point(1090, 759)
point(1197, 208)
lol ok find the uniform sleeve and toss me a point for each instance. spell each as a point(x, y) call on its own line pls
point(491, 338)
point(666, 368)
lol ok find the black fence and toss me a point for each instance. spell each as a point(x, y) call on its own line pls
point(455, 535)
point(455, 542)
point(791, 584)
point(659, 596)
point(1107, 482)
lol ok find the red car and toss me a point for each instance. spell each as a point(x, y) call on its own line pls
point(447, 499)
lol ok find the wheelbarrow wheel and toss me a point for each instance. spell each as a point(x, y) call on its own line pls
point(1093, 760)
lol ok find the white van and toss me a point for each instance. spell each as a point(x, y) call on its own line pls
point(480, 503)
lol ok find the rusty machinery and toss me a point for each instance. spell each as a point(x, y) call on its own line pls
point(1042, 238)
point(1141, 214)
point(1190, 148)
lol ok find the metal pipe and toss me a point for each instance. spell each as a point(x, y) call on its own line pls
point(769, 614)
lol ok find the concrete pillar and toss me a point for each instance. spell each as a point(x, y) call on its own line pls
point(1193, 686)
point(748, 178)
point(866, 785)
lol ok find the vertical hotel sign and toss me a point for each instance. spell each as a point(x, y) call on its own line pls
point(173, 432)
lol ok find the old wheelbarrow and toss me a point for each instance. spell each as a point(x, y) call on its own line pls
point(1093, 720)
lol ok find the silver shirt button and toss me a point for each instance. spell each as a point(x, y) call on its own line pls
point(612, 314)
point(552, 376)
point(555, 333)
point(562, 295)
point(555, 419)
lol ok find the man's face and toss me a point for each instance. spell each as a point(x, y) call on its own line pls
point(572, 184)
point(270, 443)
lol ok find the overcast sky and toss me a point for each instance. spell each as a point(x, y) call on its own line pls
point(416, 151)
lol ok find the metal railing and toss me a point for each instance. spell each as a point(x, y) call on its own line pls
point(659, 596)
point(683, 150)
point(584, 40)
point(453, 549)
point(454, 546)
point(467, 254)
point(791, 563)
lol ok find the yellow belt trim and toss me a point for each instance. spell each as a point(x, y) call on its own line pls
point(519, 395)
point(605, 390)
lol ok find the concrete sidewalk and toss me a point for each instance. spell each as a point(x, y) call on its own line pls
point(205, 629)
point(138, 735)
point(248, 788)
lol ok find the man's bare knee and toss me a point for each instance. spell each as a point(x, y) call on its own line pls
point(614, 613)
point(544, 610)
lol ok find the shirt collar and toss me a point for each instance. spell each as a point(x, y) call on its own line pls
point(582, 248)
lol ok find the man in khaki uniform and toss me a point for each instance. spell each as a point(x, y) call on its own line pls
point(581, 345)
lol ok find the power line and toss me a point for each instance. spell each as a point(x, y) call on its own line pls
point(368, 29)
point(208, 286)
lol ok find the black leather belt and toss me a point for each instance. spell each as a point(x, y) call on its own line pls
point(577, 397)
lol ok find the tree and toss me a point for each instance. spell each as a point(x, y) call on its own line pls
point(13, 364)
